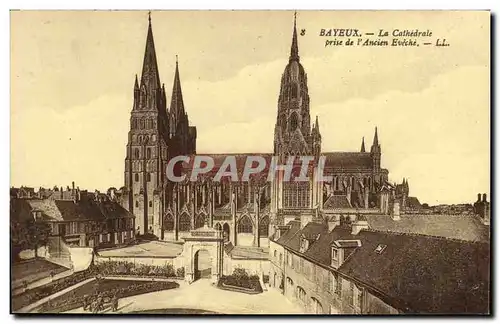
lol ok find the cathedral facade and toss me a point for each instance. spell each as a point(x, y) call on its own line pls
point(247, 212)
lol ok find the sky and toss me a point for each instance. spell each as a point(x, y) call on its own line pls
point(72, 78)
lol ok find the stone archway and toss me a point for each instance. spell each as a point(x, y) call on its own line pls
point(202, 264)
point(203, 249)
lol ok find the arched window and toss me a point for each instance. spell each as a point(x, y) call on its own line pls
point(294, 90)
point(294, 121)
point(264, 227)
point(316, 306)
point(143, 97)
point(148, 177)
point(148, 153)
point(301, 294)
point(199, 222)
point(136, 176)
point(134, 123)
point(184, 223)
point(136, 203)
point(142, 123)
point(275, 253)
point(245, 225)
point(168, 223)
point(150, 203)
point(136, 152)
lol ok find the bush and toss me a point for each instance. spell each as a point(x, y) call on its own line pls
point(180, 272)
point(71, 301)
point(240, 278)
point(129, 268)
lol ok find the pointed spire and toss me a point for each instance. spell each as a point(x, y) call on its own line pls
point(294, 50)
point(363, 145)
point(150, 76)
point(375, 138)
point(136, 84)
point(177, 103)
point(317, 124)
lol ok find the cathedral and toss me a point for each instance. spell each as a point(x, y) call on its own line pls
point(247, 212)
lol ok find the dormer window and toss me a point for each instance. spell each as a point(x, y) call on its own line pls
point(380, 248)
point(335, 254)
point(341, 250)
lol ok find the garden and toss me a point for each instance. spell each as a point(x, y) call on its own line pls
point(108, 268)
point(240, 281)
point(105, 288)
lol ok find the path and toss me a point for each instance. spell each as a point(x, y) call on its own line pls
point(202, 295)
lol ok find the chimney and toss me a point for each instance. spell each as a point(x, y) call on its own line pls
point(478, 197)
point(62, 193)
point(73, 185)
point(484, 197)
point(359, 225)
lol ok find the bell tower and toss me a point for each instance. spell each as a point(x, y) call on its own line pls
point(147, 144)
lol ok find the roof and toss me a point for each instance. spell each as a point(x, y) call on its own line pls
point(348, 160)
point(336, 201)
point(414, 273)
point(413, 203)
point(464, 227)
point(67, 210)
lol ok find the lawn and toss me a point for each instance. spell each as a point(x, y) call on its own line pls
point(108, 287)
point(33, 270)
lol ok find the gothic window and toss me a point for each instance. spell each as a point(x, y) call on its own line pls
point(136, 203)
point(148, 153)
point(184, 223)
point(146, 140)
point(143, 97)
point(136, 152)
point(150, 203)
point(200, 221)
point(296, 195)
point(168, 223)
point(140, 139)
point(134, 123)
point(264, 227)
point(153, 138)
point(148, 177)
point(294, 121)
point(352, 182)
point(245, 225)
point(142, 123)
point(136, 177)
point(294, 91)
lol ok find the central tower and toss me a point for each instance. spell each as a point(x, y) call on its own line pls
point(293, 136)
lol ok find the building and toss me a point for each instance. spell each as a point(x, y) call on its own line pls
point(77, 218)
point(247, 211)
point(329, 268)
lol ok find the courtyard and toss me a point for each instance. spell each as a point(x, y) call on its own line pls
point(202, 297)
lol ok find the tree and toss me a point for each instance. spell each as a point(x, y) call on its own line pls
point(37, 234)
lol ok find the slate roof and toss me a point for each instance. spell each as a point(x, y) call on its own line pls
point(67, 210)
point(413, 203)
point(414, 273)
point(348, 160)
point(336, 202)
point(464, 227)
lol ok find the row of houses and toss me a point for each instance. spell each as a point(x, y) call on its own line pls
point(77, 218)
point(328, 268)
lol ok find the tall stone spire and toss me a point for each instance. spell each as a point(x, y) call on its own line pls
point(150, 76)
point(177, 103)
point(375, 138)
point(294, 50)
point(363, 145)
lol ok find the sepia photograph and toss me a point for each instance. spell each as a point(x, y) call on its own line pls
point(257, 162)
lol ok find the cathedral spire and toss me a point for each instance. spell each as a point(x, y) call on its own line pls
point(317, 124)
point(363, 145)
point(375, 138)
point(177, 103)
point(136, 84)
point(294, 51)
point(150, 76)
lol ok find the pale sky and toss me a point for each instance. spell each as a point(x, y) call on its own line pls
point(72, 77)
